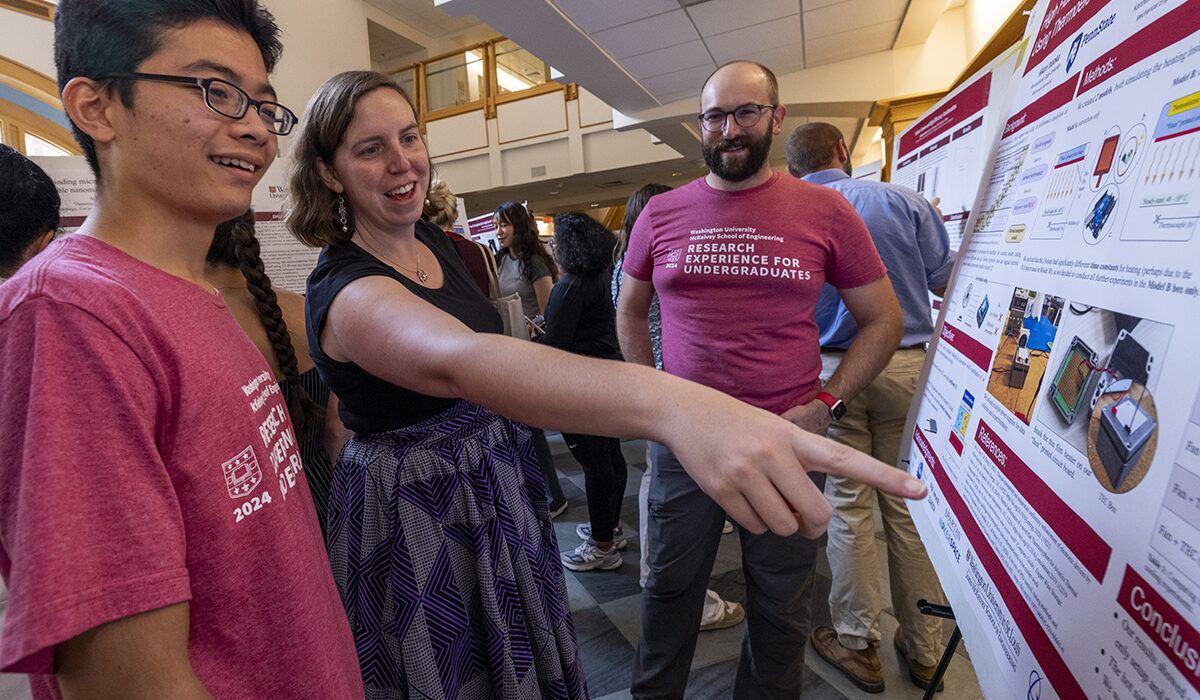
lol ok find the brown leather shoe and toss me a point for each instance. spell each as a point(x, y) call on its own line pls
point(919, 674)
point(860, 666)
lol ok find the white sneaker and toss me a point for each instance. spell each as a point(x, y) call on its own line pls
point(588, 556)
point(731, 614)
point(584, 530)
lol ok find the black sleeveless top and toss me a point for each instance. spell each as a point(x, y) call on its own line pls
point(318, 468)
point(366, 403)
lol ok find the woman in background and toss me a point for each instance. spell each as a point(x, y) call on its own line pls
point(273, 320)
point(29, 204)
point(580, 319)
point(526, 268)
point(524, 264)
point(441, 208)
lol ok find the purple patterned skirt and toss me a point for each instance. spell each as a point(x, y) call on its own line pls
point(446, 560)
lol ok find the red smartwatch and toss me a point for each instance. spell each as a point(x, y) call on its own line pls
point(837, 407)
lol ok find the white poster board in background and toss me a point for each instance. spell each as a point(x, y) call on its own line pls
point(944, 153)
point(76, 188)
point(461, 225)
point(872, 171)
point(483, 230)
point(1059, 424)
point(286, 260)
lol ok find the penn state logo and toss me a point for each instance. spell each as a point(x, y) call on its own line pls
point(1074, 51)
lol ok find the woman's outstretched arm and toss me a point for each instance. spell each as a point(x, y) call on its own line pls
point(748, 460)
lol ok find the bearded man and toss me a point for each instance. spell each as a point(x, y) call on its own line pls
point(738, 259)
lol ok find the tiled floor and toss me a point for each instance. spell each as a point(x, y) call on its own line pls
point(606, 609)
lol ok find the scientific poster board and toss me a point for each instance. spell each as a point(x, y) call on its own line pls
point(944, 153)
point(872, 172)
point(1059, 424)
point(287, 261)
point(76, 188)
point(483, 230)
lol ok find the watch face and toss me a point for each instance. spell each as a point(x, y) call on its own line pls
point(838, 410)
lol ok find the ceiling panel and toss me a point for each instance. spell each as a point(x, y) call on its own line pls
point(807, 5)
point(596, 15)
point(422, 16)
point(860, 42)
point(852, 14)
point(386, 45)
point(716, 16)
point(678, 85)
point(781, 59)
point(639, 37)
point(669, 60)
point(784, 32)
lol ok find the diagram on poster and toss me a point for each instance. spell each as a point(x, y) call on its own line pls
point(943, 153)
point(1058, 426)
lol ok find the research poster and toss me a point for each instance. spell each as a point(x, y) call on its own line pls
point(1059, 425)
point(944, 153)
point(286, 260)
point(76, 188)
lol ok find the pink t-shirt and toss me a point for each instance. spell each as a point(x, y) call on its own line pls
point(738, 275)
point(149, 460)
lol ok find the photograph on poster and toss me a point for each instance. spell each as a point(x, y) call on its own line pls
point(1099, 347)
point(1122, 435)
point(1024, 351)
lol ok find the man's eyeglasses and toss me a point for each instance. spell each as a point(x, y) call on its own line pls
point(744, 116)
point(224, 98)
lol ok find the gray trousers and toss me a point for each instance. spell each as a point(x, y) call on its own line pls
point(684, 534)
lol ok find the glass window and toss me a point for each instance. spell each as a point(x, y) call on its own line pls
point(35, 146)
point(454, 80)
point(407, 79)
point(517, 69)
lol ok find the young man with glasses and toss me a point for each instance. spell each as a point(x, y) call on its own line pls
point(738, 259)
point(156, 531)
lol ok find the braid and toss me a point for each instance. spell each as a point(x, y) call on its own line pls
point(305, 413)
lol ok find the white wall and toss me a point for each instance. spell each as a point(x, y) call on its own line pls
point(27, 40)
point(320, 39)
point(935, 64)
point(981, 19)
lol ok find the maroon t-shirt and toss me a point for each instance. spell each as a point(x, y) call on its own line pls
point(149, 460)
point(738, 275)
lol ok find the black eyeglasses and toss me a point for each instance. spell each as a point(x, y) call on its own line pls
point(224, 98)
point(744, 116)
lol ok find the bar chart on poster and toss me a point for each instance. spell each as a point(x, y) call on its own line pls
point(1059, 424)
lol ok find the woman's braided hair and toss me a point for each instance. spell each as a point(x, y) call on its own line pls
point(235, 245)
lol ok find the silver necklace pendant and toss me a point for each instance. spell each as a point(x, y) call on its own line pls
point(422, 275)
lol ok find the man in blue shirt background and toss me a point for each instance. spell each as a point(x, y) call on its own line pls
point(912, 241)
